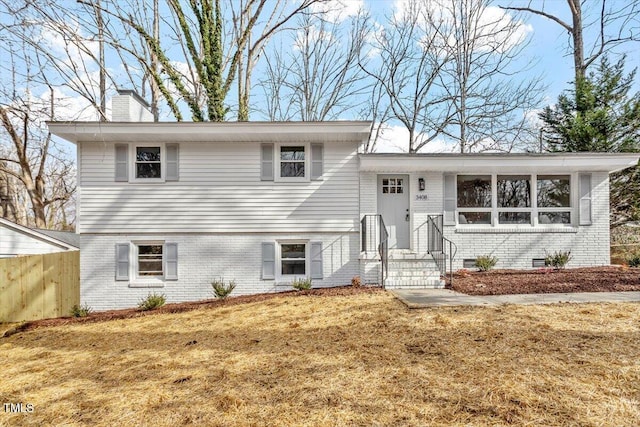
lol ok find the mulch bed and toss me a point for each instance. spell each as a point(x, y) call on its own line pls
point(544, 281)
point(129, 313)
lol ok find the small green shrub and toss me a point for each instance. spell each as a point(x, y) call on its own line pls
point(633, 259)
point(486, 262)
point(301, 284)
point(356, 282)
point(152, 301)
point(221, 290)
point(80, 310)
point(558, 259)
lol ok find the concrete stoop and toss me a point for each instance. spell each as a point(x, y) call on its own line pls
point(407, 271)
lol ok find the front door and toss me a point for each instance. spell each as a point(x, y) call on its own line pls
point(393, 205)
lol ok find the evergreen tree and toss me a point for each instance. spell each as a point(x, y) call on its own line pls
point(598, 115)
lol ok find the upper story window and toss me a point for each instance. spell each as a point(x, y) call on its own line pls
point(148, 162)
point(292, 161)
point(514, 199)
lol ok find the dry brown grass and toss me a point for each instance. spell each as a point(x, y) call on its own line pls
point(342, 360)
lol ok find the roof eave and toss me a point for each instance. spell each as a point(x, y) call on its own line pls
point(37, 235)
point(511, 163)
point(209, 131)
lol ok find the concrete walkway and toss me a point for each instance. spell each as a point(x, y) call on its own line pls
point(421, 298)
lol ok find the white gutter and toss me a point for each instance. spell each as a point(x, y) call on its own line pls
point(498, 163)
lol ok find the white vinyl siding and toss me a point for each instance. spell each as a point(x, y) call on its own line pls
point(14, 242)
point(220, 190)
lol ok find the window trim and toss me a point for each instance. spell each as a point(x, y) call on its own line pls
point(163, 162)
point(534, 210)
point(458, 211)
point(279, 259)
point(134, 265)
point(277, 162)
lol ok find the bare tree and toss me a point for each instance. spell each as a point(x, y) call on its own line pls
point(203, 75)
point(489, 94)
point(318, 77)
point(408, 71)
point(30, 161)
point(9, 206)
point(613, 21)
point(46, 178)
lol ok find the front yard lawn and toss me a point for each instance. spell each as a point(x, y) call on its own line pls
point(358, 359)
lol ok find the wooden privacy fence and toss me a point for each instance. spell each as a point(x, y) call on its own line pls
point(39, 286)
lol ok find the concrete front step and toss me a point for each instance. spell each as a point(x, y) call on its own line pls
point(413, 273)
point(414, 284)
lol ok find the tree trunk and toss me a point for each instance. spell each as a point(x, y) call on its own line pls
point(578, 42)
point(103, 71)
point(7, 197)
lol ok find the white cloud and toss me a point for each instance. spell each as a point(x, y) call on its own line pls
point(495, 28)
point(498, 31)
point(70, 52)
point(338, 10)
point(395, 139)
point(309, 36)
point(69, 107)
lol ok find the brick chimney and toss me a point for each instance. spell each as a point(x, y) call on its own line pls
point(128, 106)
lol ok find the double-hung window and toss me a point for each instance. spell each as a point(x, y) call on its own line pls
point(149, 261)
point(292, 161)
point(286, 260)
point(293, 259)
point(148, 162)
point(146, 263)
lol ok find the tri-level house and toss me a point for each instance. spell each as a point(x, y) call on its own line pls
point(169, 207)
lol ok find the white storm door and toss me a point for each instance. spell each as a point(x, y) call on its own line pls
point(393, 205)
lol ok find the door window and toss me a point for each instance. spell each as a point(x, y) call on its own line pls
point(393, 186)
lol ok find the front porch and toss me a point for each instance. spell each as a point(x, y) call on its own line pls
point(401, 268)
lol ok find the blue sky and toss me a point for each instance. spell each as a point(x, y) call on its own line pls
point(547, 53)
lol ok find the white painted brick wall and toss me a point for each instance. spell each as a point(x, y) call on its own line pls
point(126, 108)
point(201, 259)
point(589, 245)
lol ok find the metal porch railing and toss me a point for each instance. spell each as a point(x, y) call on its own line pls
point(375, 238)
point(437, 244)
